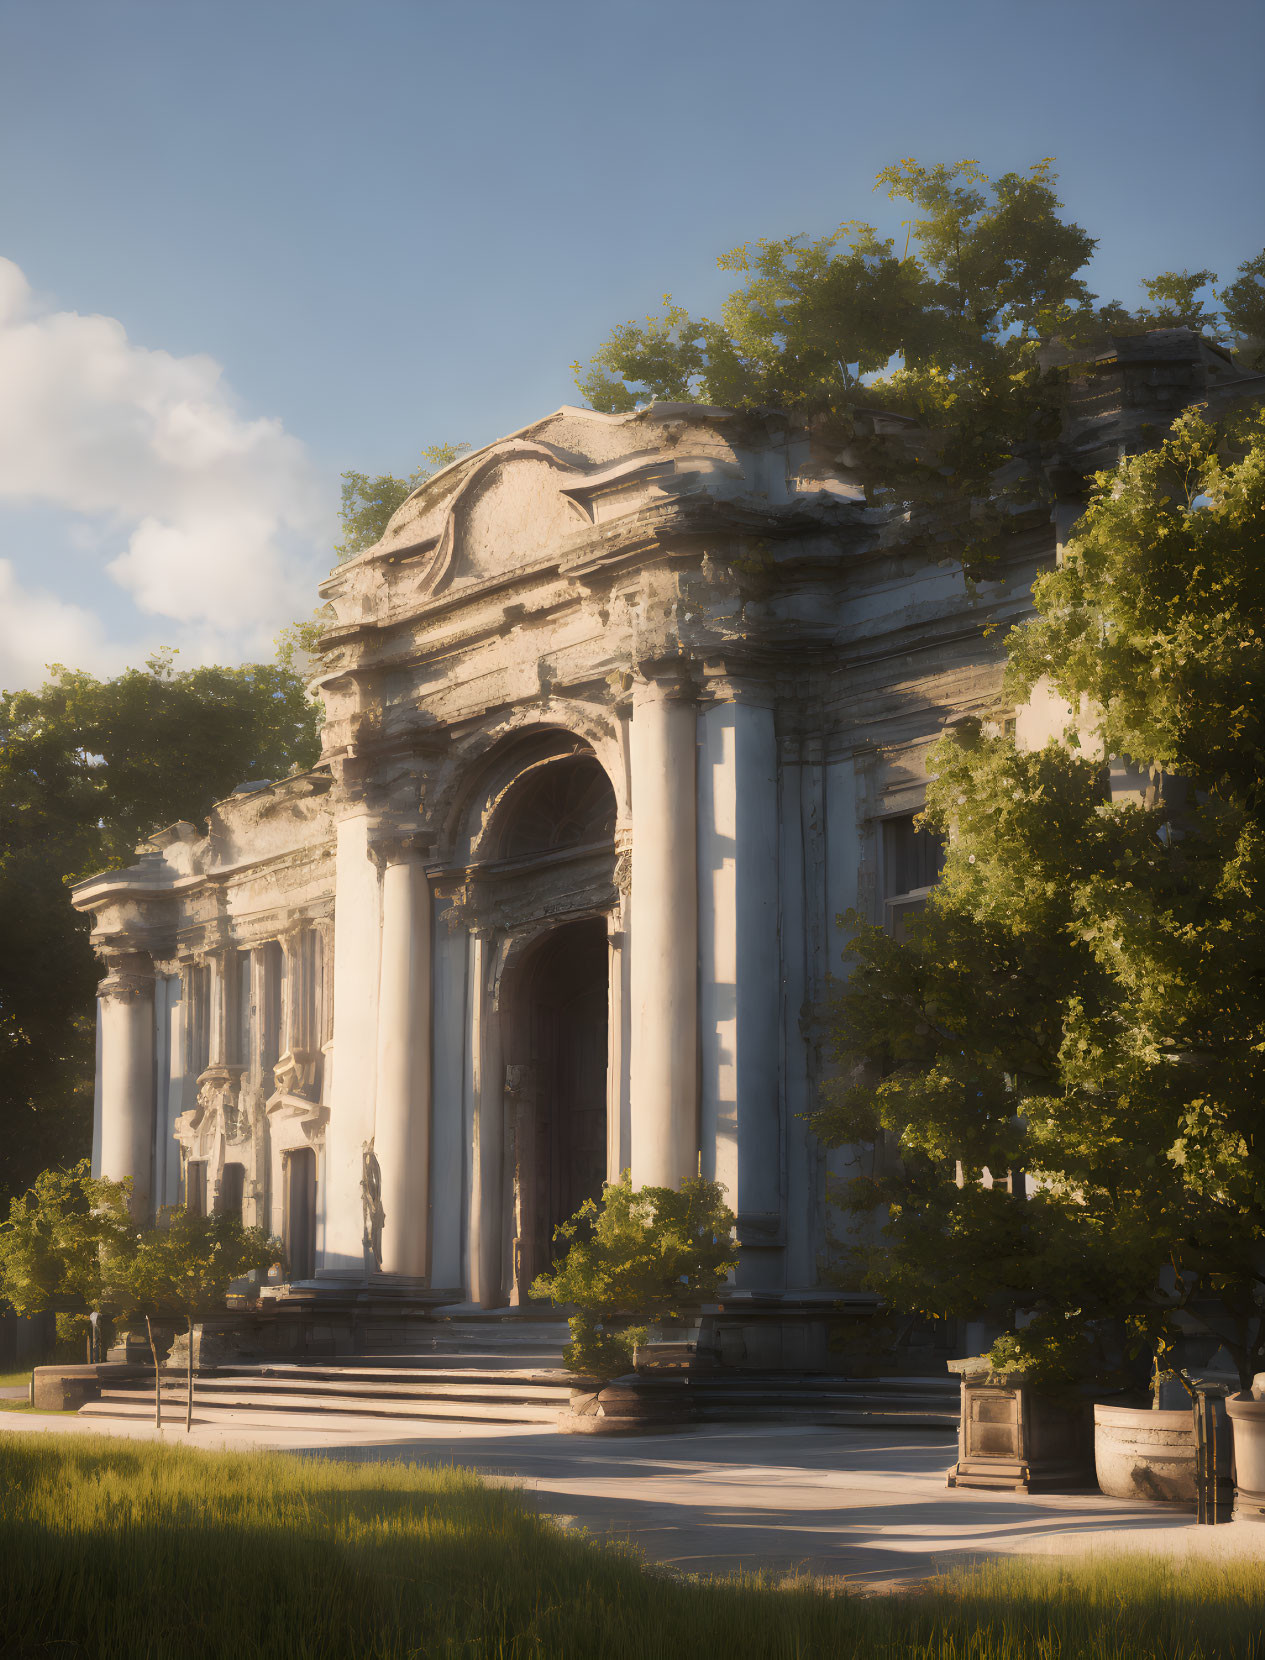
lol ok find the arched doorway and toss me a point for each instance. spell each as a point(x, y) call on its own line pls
point(557, 1075)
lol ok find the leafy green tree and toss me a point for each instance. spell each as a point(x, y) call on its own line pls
point(1244, 303)
point(88, 768)
point(59, 1238)
point(184, 1264)
point(1068, 1053)
point(63, 1243)
point(369, 503)
point(642, 1255)
point(945, 329)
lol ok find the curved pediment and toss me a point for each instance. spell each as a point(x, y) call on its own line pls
point(507, 510)
point(509, 513)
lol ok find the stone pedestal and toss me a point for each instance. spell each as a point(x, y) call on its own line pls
point(1012, 1436)
point(628, 1406)
point(1247, 1418)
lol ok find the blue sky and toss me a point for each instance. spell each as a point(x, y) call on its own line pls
point(326, 234)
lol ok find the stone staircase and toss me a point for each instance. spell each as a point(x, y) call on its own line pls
point(480, 1369)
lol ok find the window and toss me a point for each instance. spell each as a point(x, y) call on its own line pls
point(198, 1027)
point(568, 803)
point(271, 968)
point(298, 1225)
point(912, 861)
point(240, 1041)
point(195, 1188)
point(232, 1190)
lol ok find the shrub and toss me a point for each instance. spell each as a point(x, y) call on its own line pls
point(639, 1256)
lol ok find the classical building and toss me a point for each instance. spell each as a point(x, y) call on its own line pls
point(621, 714)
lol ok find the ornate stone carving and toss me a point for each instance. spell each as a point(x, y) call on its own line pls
point(371, 1199)
point(297, 1073)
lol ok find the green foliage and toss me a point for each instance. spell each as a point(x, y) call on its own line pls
point(1084, 998)
point(368, 504)
point(185, 1263)
point(88, 768)
point(640, 1256)
point(64, 1241)
point(1175, 302)
point(944, 330)
point(118, 1549)
point(1244, 303)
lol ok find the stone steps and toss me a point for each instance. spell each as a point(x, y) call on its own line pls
point(253, 1405)
point(427, 1389)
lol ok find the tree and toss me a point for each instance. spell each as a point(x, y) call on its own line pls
point(1244, 302)
point(1084, 999)
point(88, 768)
point(946, 330)
point(64, 1243)
point(649, 1253)
point(184, 1264)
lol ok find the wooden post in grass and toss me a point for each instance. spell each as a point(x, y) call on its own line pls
point(184, 1264)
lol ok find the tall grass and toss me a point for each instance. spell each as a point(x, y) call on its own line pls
point(131, 1551)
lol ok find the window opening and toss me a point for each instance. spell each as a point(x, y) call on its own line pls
point(912, 861)
point(195, 1188)
point(298, 1226)
point(232, 1190)
point(568, 803)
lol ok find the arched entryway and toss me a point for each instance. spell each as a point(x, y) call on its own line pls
point(557, 1082)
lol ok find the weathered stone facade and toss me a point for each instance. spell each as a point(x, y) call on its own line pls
point(622, 713)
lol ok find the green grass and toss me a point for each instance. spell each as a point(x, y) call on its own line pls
point(12, 1380)
point(133, 1551)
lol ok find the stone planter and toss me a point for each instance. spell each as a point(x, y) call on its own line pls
point(1143, 1454)
point(1247, 1421)
point(1012, 1436)
point(627, 1407)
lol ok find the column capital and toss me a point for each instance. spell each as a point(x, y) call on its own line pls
point(725, 683)
point(664, 678)
point(399, 841)
point(129, 976)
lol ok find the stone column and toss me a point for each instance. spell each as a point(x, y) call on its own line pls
point(402, 1125)
point(664, 927)
point(127, 1075)
point(739, 966)
point(487, 1108)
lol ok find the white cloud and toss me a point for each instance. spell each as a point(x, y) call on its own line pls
point(37, 628)
point(214, 522)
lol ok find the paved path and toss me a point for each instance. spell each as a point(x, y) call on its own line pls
point(867, 1505)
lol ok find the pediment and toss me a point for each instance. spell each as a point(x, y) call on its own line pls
point(510, 516)
point(509, 510)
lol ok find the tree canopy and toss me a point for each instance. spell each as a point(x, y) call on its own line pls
point(945, 328)
point(88, 768)
point(1069, 1049)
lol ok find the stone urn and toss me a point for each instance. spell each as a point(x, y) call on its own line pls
point(1140, 1453)
point(628, 1406)
point(1247, 1422)
point(1013, 1436)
